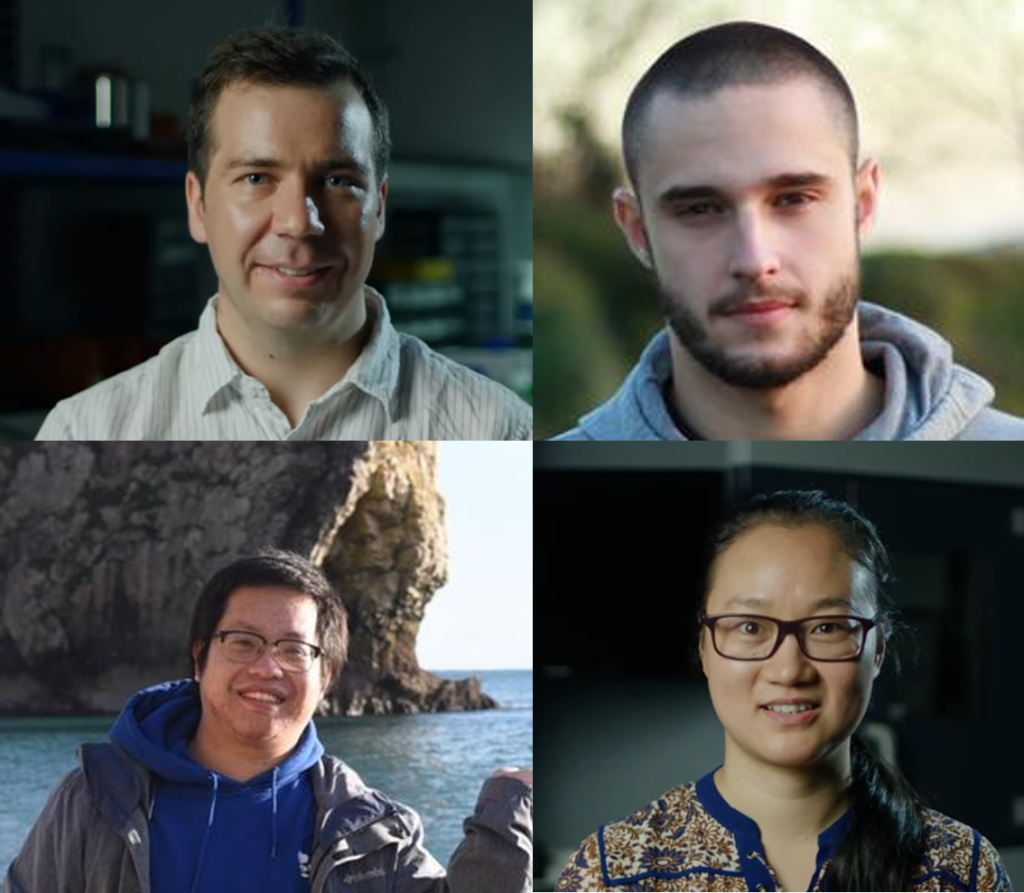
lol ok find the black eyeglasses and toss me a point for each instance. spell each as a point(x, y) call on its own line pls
point(291, 655)
point(834, 637)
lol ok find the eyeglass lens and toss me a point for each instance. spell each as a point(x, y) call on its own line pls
point(825, 638)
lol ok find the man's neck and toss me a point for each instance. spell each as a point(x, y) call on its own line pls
point(295, 368)
point(234, 762)
point(833, 401)
point(788, 804)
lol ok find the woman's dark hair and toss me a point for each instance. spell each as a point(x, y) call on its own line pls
point(886, 842)
point(270, 56)
point(273, 567)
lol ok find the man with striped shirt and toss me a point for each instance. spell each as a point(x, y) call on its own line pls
point(287, 183)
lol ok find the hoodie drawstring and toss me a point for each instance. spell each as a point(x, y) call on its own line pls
point(206, 836)
point(273, 844)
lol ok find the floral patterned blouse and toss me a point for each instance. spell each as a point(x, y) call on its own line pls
point(691, 839)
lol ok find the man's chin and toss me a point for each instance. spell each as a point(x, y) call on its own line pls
point(757, 373)
point(286, 308)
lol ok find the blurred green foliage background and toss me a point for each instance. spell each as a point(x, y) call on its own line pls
point(595, 308)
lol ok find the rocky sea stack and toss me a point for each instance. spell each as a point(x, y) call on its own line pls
point(106, 546)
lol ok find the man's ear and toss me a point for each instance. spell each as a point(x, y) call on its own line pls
point(628, 216)
point(196, 209)
point(197, 648)
point(866, 185)
point(382, 197)
point(327, 679)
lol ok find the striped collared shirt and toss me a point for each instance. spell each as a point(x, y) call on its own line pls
point(398, 389)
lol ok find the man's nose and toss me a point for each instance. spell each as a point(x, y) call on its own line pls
point(296, 213)
point(266, 664)
point(753, 253)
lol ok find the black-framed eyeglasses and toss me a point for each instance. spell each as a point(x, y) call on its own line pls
point(832, 637)
point(245, 647)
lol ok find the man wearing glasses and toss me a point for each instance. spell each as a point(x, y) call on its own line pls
point(220, 783)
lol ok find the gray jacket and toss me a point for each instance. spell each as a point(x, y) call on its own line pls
point(93, 836)
point(927, 395)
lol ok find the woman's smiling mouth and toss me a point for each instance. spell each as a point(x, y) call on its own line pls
point(792, 711)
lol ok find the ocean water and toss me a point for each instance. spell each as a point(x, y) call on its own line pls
point(434, 763)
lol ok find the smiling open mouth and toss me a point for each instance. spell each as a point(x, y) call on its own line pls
point(262, 696)
point(288, 277)
point(789, 708)
point(309, 271)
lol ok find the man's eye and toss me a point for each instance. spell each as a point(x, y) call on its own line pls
point(698, 209)
point(340, 180)
point(794, 199)
point(255, 179)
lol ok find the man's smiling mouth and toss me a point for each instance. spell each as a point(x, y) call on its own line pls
point(308, 271)
point(265, 697)
point(296, 277)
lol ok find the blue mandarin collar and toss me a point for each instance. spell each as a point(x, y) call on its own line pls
point(745, 828)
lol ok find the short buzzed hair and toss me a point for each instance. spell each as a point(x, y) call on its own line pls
point(731, 55)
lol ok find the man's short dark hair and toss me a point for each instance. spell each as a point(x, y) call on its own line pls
point(730, 55)
point(291, 57)
point(274, 567)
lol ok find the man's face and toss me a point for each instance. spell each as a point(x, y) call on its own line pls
point(749, 216)
point(235, 704)
point(290, 185)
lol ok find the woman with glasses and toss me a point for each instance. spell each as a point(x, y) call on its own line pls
point(793, 630)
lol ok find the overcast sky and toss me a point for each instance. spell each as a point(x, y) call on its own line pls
point(483, 617)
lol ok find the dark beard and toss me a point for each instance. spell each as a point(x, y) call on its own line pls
point(763, 374)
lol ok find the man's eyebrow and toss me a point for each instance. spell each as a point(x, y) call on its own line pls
point(680, 193)
point(342, 162)
point(248, 627)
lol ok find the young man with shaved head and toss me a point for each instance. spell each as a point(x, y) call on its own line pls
point(747, 201)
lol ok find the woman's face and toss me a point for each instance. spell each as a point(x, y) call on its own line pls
point(789, 574)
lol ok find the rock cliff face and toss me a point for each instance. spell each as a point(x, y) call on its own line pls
point(106, 547)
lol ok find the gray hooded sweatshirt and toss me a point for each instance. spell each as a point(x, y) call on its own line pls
point(927, 395)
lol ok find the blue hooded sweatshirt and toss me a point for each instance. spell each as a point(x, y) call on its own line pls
point(209, 833)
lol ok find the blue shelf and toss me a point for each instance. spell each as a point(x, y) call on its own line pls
point(100, 167)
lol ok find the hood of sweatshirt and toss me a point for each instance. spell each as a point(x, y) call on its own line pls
point(155, 727)
point(927, 395)
point(157, 724)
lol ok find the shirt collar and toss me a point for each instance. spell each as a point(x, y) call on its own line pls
point(745, 828)
point(375, 371)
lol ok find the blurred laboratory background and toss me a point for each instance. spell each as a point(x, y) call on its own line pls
point(97, 267)
point(623, 712)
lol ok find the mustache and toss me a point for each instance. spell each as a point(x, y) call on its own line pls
point(743, 294)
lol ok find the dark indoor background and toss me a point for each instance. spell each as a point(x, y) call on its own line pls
point(97, 268)
point(623, 709)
